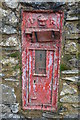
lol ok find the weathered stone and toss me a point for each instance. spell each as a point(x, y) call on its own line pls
point(2, 75)
point(0, 26)
point(8, 95)
point(5, 108)
point(73, 12)
point(41, 118)
point(14, 107)
point(16, 73)
point(7, 30)
point(3, 13)
point(11, 41)
point(11, 116)
point(11, 3)
point(8, 98)
point(51, 115)
point(72, 28)
point(73, 79)
point(72, 116)
point(71, 47)
point(10, 48)
point(10, 19)
point(67, 89)
point(41, 4)
point(70, 99)
point(7, 89)
point(11, 79)
point(10, 60)
point(72, 18)
point(70, 36)
point(16, 116)
point(76, 106)
point(62, 109)
point(73, 62)
point(75, 71)
point(0, 116)
point(71, 4)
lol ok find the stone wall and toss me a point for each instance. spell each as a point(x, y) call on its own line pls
point(69, 92)
point(10, 48)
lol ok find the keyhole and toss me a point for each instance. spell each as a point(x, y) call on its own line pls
point(34, 81)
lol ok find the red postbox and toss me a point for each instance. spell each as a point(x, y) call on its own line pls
point(41, 50)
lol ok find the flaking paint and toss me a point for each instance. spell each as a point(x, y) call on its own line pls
point(47, 85)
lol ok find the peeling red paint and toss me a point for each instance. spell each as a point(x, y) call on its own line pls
point(40, 91)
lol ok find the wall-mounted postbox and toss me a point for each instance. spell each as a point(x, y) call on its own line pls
point(41, 49)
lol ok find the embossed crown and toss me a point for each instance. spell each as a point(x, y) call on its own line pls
point(42, 20)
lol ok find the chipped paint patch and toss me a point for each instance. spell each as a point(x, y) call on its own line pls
point(40, 90)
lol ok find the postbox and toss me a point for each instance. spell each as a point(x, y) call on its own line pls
point(41, 51)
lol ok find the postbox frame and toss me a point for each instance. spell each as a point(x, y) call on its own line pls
point(24, 64)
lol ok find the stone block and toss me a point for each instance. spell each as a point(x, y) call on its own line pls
point(14, 107)
point(71, 116)
point(73, 12)
point(11, 41)
point(72, 18)
point(8, 95)
point(70, 99)
point(3, 13)
point(11, 79)
point(67, 72)
point(72, 36)
point(2, 75)
point(72, 28)
point(76, 106)
point(73, 62)
point(74, 79)
point(10, 19)
point(67, 89)
point(11, 3)
point(9, 60)
point(5, 108)
point(6, 29)
point(71, 47)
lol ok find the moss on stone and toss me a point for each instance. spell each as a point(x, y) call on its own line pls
point(67, 57)
point(16, 67)
point(64, 66)
point(15, 54)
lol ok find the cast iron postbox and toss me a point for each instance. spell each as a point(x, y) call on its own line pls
point(41, 50)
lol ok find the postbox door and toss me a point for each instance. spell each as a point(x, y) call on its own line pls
point(41, 51)
point(40, 76)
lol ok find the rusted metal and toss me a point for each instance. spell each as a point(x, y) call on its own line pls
point(41, 51)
